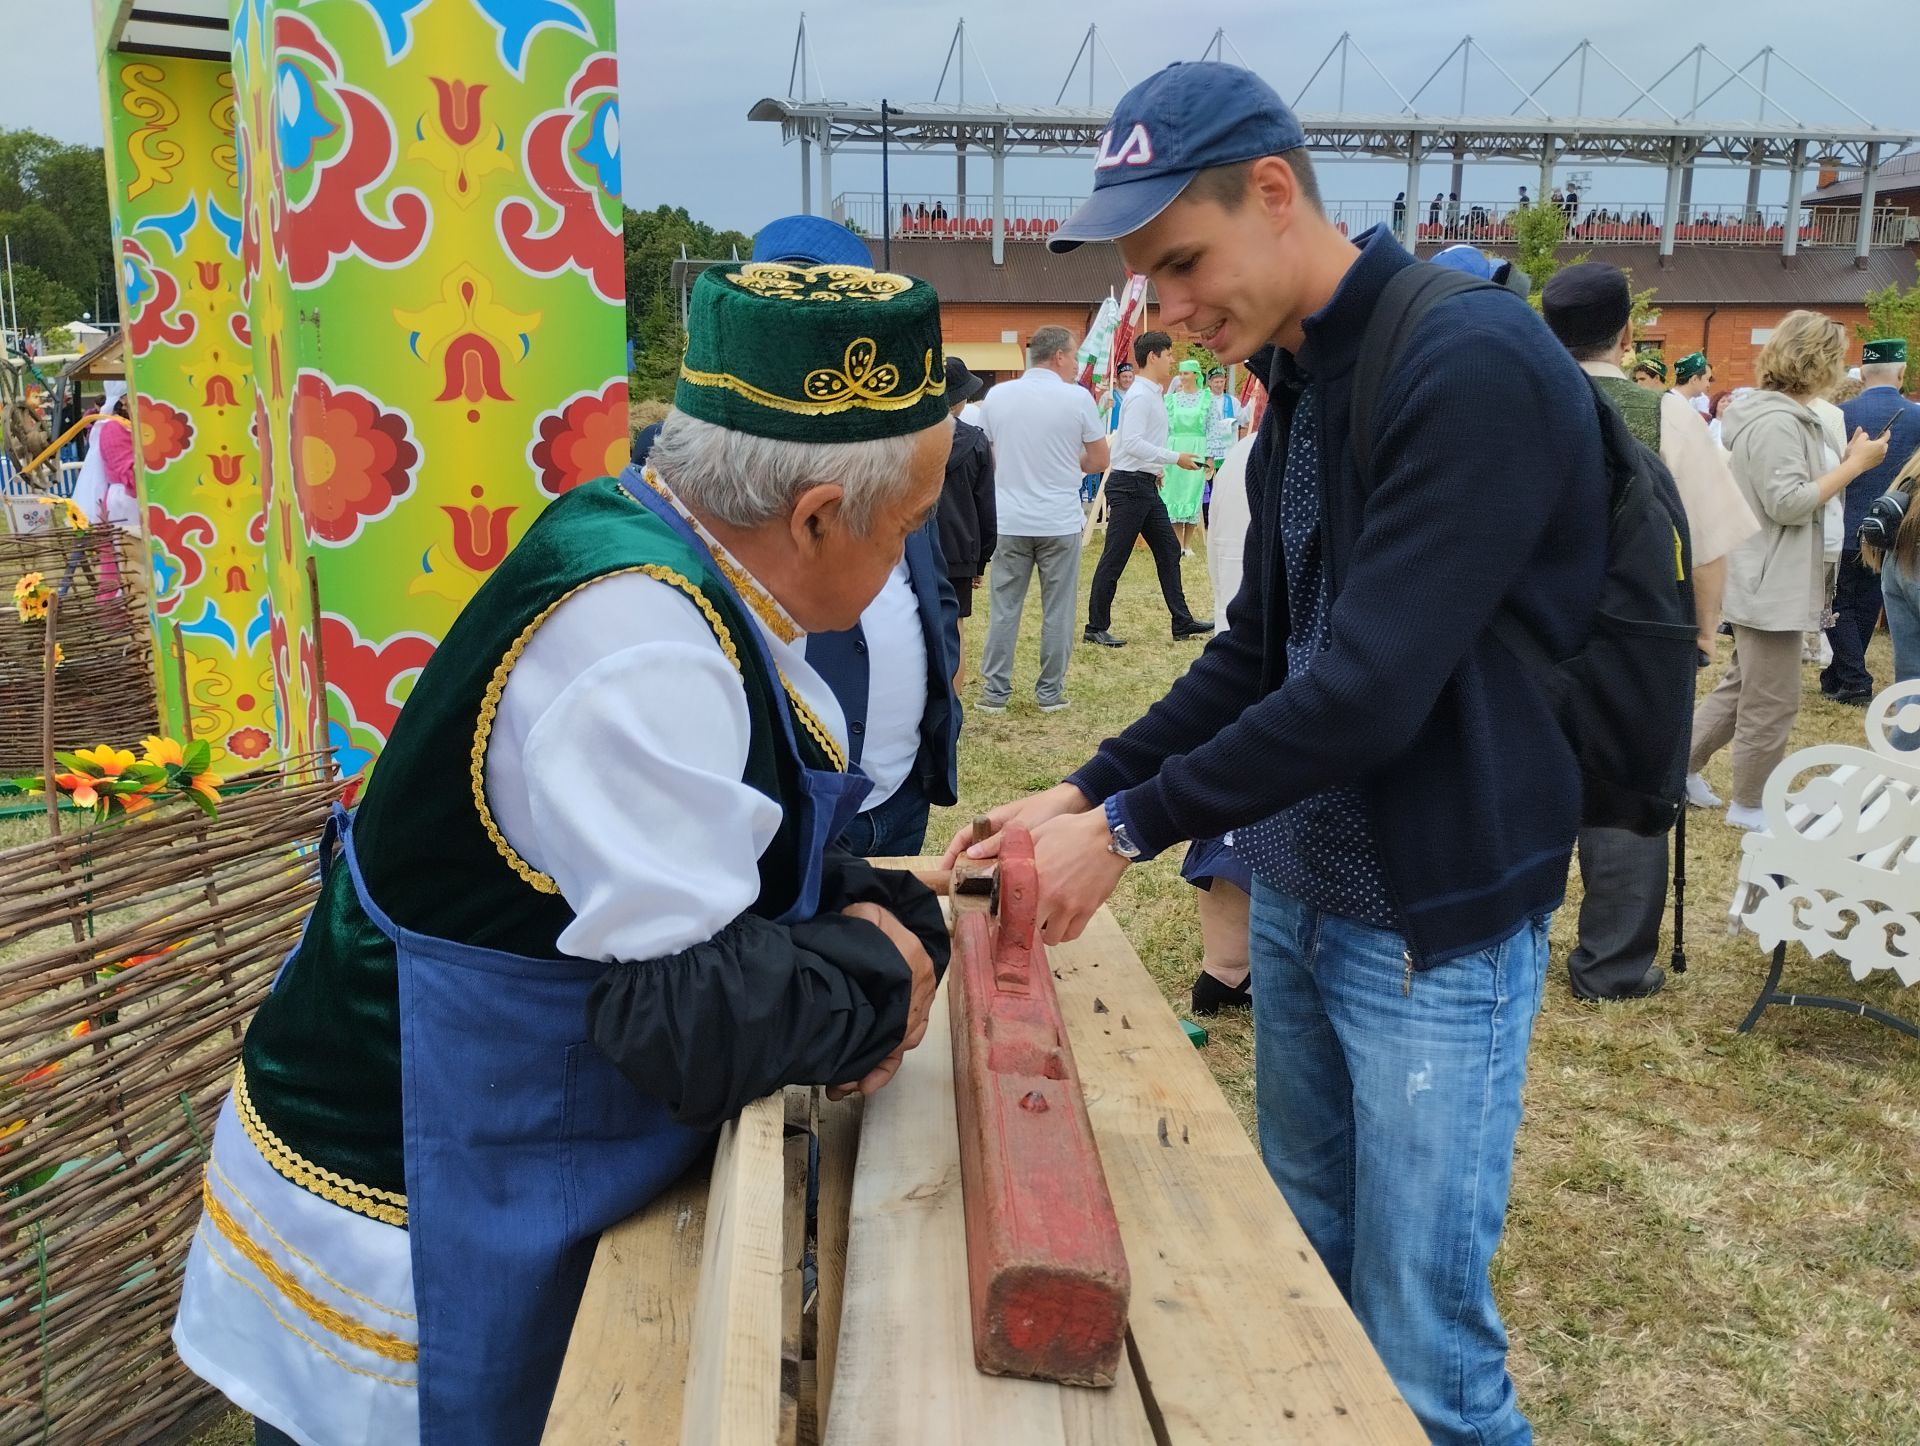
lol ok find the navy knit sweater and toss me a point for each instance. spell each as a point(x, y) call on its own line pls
point(1490, 492)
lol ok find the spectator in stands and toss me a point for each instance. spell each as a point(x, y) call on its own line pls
point(1400, 214)
point(1625, 875)
point(1136, 506)
point(1453, 213)
point(1571, 205)
point(1559, 198)
point(906, 216)
point(967, 517)
point(1433, 211)
point(1776, 585)
point(939, 210)
point(1880, 410)
point(1046, 436)
point(1525, 201)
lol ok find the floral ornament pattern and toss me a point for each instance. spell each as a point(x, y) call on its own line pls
point(166, 433)
point(456, 140)
point(336, 147)
point(819, 283)
point(353, 459)
point(584, 439)
point(469, 337)
point(151, 293)
point(571, 156)
point(179, 564)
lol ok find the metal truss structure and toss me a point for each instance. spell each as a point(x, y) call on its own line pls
point(1648, 132)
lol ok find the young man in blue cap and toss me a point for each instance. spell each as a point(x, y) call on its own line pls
point(1390, 770)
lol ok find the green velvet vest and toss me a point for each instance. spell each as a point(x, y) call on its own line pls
point(1638, 406)
point(320, 1093)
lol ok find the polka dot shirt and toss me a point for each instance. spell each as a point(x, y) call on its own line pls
point(1321, 850)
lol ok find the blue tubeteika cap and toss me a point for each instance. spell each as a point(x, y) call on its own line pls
point(1174, 124)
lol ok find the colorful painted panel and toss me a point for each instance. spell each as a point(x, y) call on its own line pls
point(433, 269)
point(175, 188)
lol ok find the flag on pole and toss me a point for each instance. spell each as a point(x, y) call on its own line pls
point(1253, 399)
point(1098, 346)
point(1133, 315)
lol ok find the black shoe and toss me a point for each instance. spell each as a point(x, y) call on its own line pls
point(1193, 628)
point(1651, 983)
point(1850, 700)
point(1102, 637)
point(1210, 996)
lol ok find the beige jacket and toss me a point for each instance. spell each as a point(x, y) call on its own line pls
point(1776, 578)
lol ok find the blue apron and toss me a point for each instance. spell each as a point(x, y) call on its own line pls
point(523, 1142)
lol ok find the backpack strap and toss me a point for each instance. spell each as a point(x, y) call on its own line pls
point(1410, 294)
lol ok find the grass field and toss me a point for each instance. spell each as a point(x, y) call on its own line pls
point(1713, 1238)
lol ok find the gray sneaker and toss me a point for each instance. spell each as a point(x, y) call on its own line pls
point(1059, 705)
point(983, 706)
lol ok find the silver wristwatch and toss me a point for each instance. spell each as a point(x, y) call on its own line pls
point(1119, 841)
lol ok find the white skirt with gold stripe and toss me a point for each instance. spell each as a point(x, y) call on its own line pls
point(298, 1311)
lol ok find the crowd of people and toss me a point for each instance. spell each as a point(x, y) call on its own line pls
point(1377, 795)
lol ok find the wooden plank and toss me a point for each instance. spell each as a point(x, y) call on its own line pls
point(733, 1365)
point(793, 1235)
point(839, 1135)
point(1240, 1334)
point(905, 1354)
point(626, 1363)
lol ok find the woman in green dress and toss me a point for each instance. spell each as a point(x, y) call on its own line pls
point(1181, 489)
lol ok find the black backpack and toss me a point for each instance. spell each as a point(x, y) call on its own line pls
point(1625, 700)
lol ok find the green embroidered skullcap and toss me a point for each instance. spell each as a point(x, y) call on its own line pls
point(1693, 364)
point(1650, 364)
point(1888, 351)
point(812, 353)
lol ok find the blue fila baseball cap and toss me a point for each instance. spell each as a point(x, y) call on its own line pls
point(1173, 125)
point(810, 241)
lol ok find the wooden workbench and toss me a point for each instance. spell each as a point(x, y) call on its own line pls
point(690, 1328)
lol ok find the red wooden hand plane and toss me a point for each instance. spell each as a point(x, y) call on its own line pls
point(1046, 1271)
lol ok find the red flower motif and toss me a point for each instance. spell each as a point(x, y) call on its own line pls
point(219, 392)
point(459, 109)
point(472, 367)
point(166, 433)
point(585, 439)
point(248, 742)
point(580, 237)
point(226, 467)
point(480, 534)
point(352, 459)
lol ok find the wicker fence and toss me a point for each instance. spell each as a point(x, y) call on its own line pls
point(131, 957)
point(104, 687)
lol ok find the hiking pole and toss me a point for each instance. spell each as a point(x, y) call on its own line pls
point(1679, 958)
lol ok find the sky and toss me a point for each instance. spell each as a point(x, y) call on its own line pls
point(690, 71)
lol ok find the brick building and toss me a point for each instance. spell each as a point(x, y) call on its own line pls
point(1722, 300)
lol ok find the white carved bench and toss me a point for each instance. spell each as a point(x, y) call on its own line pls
point(1837, 869)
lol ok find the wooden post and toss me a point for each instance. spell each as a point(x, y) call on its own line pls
point(52, 646)
point(186, 693)
point(322, 743)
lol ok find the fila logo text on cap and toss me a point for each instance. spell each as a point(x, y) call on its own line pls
point(1135, 150)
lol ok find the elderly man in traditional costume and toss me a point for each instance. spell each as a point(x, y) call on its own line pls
point(584, 911)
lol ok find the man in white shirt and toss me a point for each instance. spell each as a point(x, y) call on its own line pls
point(1134, 507)
point(1046, 435)
point(1692, 379)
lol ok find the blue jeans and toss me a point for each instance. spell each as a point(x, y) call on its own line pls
point(896, 829)
point(1387, 1117)
point(1901, 595)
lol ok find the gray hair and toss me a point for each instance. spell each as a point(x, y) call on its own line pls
point(748, 481)
point(1882, 374)
point(1047, 343)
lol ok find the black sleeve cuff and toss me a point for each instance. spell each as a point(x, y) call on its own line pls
point(847, 879)
point(712, 1028)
